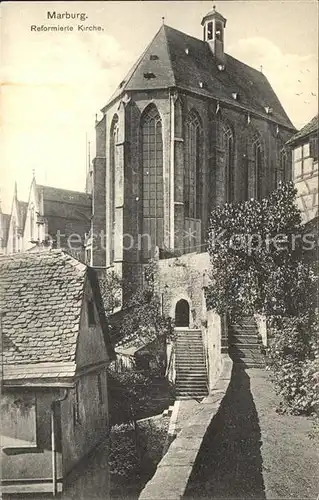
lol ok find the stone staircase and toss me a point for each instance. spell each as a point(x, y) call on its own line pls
point(191, 375)
point(245, 343)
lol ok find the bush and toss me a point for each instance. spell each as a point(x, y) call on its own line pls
point(152, 438)
point(293, 355)
point(123, 459)
point(256, 251)
point(128, 395)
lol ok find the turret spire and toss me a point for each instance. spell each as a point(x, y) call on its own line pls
point(214, 25)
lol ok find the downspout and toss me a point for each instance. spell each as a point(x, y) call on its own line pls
point(53, 443)
point(172, 168)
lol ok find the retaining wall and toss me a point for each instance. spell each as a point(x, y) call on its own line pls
point(173, 472)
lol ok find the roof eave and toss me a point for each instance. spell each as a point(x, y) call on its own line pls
point(63, 382)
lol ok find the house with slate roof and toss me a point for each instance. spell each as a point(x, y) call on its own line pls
point(52, 217)
point(55, 352)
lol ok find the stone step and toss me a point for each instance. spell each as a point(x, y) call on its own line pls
point(242, 351)
point(191, 388)
point(193, 369)
point(182, 363)
point(240, 330)
point(244, 339)
point(196, 338)
point(197, 343)
point(191, 380)
point(191, 392)
point(190, 349)
point(188, 356)
point(188, 395)
point(191, 361)
point(249, 364)
point(255, 359)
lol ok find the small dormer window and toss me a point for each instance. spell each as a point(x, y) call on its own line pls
point(221, 67)
point(235, 96)
point(153, 57)
point(268, 110)
point(209, 31)
point(149, 75)
point(91, 313)
point(201, 84)
point(187, 50)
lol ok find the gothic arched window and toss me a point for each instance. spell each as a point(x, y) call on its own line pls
point(31, 223)
point(257, 159)
point(152, 165)
point(14, 235)
point(193, 168)
point(113, 167)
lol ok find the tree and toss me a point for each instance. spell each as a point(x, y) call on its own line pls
point(256, 250)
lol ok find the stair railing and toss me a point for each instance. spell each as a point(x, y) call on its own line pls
point(170, 369)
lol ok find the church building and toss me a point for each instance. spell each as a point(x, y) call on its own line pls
point(189, 128)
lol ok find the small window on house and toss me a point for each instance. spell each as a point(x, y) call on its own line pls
point(76, 406)
point(100, 389)
point(153, 57)
point(302, 161)
point(148, 75)
point(91, 313)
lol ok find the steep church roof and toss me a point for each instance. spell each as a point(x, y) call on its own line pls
point(175, 59)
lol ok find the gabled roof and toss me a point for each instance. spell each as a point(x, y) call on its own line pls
point(310, 128)
point(41, 297)
point(166, 63)
point(66, 211)
point(65, 196)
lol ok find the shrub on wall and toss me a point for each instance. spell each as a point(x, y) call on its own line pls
point(128, 395)
point(256, 249)
point(294, 359)
point(123, 459)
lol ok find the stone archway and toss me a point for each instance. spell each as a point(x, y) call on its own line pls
point(182, 313)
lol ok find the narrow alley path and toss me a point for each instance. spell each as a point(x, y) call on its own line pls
point(252, 452)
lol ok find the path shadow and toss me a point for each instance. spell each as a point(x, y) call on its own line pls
point(229, 463)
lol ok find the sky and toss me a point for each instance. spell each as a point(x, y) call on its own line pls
point(54, 84)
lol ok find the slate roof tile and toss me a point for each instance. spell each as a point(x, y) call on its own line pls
point(35, 306)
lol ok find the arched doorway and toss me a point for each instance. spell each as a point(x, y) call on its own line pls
point(182, 313)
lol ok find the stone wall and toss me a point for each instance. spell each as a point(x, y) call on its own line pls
point(174, 470)
point(183, 278)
